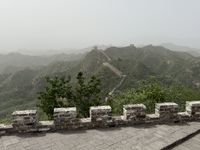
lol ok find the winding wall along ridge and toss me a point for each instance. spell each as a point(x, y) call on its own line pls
point(115, 70)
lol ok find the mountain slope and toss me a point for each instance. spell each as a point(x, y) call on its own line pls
point(18, 89)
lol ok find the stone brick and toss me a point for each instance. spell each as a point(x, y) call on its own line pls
point(24, 117)
point(45, 125)
point(152, 118)
point(100, 114)
point(119, 120)
point(134, 112)
point(184, 116)
point(193, 109)
point(64, 116)
point(167, 111)
point(6, 128)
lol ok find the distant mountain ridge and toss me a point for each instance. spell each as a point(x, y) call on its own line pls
point(59, 51)
point(193, 51)
point(20, 60)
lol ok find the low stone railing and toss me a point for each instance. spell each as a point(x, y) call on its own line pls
point(100, 116)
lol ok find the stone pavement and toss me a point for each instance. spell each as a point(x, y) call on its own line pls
point(142, 137)
point(191, 144)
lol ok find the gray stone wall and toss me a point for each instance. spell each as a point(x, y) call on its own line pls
point(100, 116)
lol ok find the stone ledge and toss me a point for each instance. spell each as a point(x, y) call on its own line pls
point(152, 118)
point(6, 128)
point(101, 116)
point(24, 113)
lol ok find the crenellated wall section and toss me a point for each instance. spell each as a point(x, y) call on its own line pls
point(100, 116)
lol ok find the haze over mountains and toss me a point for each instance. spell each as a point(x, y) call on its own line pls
point(193, 51)
point(24, 76)
point(55, 51)
point(18, 61)
point(24, 58)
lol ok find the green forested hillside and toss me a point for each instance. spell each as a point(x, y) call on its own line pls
point(159, 61)
point(18, 88)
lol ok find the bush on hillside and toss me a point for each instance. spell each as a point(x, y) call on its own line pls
point(150, 92)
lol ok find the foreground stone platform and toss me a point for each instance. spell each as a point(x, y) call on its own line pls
point(141, 137)
point(193, 143)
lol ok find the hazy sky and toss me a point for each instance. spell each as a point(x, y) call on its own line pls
point(56, 24)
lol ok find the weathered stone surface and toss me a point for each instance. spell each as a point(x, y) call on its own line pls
point(184, 116)
point(119, 120)
point(25, 113)
point(100, 114)
point(6, 128)
point(64, 116)
point(152, 118)
point(85, 123)
point(141, 137)
point(24, 117)
point(135, 112)
point(45, 125)
point(193, 108)
point(167, 111)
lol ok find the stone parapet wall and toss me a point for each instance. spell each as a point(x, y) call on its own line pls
point(100, 116)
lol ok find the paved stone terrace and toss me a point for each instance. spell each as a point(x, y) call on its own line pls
point(191, 144)
point(141, 137)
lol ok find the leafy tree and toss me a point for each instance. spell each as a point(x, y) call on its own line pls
point(82, 94)
point(59, 88)
point(86, 94)
point(154, 92)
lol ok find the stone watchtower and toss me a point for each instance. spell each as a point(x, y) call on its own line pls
point(95, 48)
